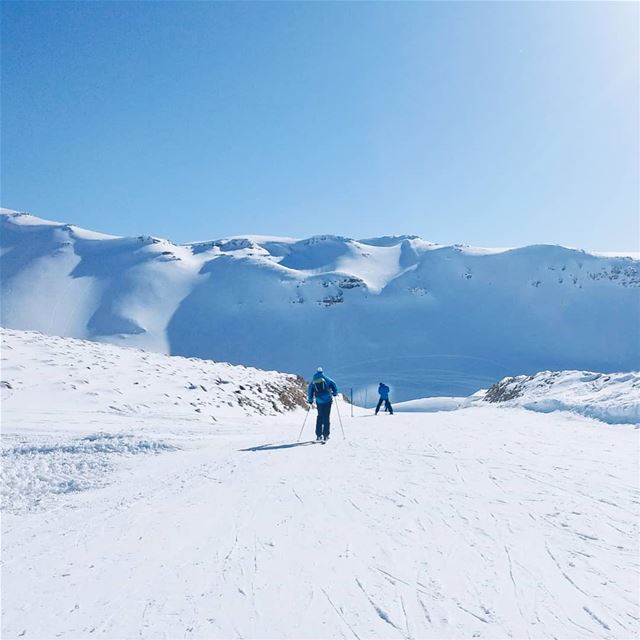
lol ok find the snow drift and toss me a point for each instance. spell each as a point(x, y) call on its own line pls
point(429, 320)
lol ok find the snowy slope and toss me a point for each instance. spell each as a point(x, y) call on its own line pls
point(84, 386)
point(51, 373)
point(156, 521)
point(427, 319)
point(433, 404)
point(613, 398)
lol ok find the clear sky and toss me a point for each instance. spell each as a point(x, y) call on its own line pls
point(495, 124)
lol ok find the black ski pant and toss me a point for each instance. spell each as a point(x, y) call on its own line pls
point(387, 405)
point(322, 421)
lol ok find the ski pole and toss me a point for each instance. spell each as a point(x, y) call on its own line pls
point(340, 419)
point(305, 422)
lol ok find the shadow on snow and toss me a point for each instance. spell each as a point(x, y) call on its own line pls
point(272, 447)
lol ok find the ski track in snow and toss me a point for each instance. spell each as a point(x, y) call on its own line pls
point(474, 523)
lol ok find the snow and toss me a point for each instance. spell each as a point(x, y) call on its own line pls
point(107, 386)
point(42, 296)
point(612, 398)
point(129, 513)
point(46, 373)
point(483, 251)
point(33, 474)
point(470, 315)
point(22, 218)
point(86, 234)
point(635, 255)
point(376, 266)
point(387, 241)
point(427, 405)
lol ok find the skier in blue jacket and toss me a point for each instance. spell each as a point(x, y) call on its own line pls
point(323, 389)
point(383, 390)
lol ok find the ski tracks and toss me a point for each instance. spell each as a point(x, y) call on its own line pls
point(447, 525)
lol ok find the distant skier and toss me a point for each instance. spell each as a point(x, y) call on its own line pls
point(383, 390)
point(322, 389)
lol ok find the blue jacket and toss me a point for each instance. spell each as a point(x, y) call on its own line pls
point(383, 390)
point(322, 388)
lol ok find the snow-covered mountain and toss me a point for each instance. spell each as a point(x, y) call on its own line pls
point(613, 397)
point(425, 318)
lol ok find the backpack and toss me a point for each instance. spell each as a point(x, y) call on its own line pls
point(320, 386)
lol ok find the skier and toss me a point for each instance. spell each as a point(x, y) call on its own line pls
point(383, 390)
point(323, 389)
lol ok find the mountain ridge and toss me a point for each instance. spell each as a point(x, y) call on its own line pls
point(259, 239)
point(429, 319)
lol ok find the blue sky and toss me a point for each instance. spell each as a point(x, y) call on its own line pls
point(494, 124)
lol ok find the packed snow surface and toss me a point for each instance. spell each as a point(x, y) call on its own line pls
point(131, 516)
point(428, 319)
